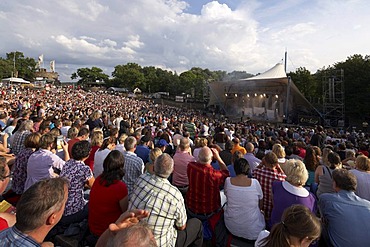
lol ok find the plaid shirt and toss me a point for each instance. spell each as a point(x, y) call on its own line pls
point(203, 196)
point(13, 237)
point(165, 205)
point(134, 167)
point(18, 141)
point(266, 176)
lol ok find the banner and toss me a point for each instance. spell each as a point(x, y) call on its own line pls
point(52, 66)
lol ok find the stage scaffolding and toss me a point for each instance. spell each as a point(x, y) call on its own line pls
point(333, 98)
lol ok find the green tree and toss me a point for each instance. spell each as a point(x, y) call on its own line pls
point(87, 75)
point(129, 76)
point(20, 66)
point(305, 82)
point(356, 86)
point(6, 68)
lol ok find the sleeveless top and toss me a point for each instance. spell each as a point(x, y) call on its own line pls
point(325, 181)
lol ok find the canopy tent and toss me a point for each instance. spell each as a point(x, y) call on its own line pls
point(137, 90)
point(15, 80)
point(268, 96)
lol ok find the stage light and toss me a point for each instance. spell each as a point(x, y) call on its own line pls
point(276, 96)
point(248, 95)
point(255, 95)
point(264, 95)
point(236, 95)
point(261, 96)
point(226, 94)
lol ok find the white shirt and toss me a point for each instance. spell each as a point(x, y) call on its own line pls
point(99, 158)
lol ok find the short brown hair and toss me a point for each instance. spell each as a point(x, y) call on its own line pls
point(33, 140)
point(46, 140)
point(271, 159)
point(344, 179)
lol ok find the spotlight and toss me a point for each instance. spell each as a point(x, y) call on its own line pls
point(226, 94)
point(276, 96)
point(248, 95)
point(264, 95)
point(261, 96)
point(236, 95)
point(255, 95)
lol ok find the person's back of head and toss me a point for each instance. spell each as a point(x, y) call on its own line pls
point(184, 144)
point(334, 160)
point(46, 140)
point(81, 150)
point(229, 145)
point(278, 150)
point(299, 227)
point(130, 143)
point(270, 159)
point(39, 202)
point(241, 166)
point(163, 165)
point(344, 180)
point(205, 155)
point(249, 147)
point(296, 172)
point(84, 132)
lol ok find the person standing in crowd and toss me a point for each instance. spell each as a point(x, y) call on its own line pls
point(298, 227)
point(108, 145)
point(243, 217)
point(205, 181)
point(134, 165)
point(237, 147)
point(108, 195)
point(142, 150)
point(43, 163)
point(324, 174)
point(345, 216)
point(96, 138)
point(83, 134)
point(318, 139)
point(266, 173)
point(39, 209)
point(362, 173)
point(166, 207)
point(253, 161)
point(181, 160)
point(80, 177)
point(291, 191)
point(20, 135)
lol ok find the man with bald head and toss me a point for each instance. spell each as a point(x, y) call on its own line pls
point(251, 158)
point(203, 196)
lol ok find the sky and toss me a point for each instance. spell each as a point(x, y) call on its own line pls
point(243, 35)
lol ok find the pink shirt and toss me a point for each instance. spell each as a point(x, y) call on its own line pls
point(181, 160)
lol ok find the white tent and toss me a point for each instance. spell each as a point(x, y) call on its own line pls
point(137, 90)
point(15, 80)
point(268, 96)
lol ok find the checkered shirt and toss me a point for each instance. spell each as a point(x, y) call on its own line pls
point(18, 141)
point(134, 167)
point(165, 204)
point(266, 176)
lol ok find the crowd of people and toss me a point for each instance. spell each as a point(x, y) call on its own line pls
point(146, 174)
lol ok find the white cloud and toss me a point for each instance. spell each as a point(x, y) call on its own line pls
point(251, 36)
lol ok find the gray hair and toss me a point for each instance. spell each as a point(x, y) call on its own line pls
point(26, 125)
point(163, 165)
point(138, 235)
point(205, 155)
point(130, 143)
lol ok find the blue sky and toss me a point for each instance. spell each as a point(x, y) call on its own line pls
point(246, 35)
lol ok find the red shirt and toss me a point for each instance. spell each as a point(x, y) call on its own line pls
point(70, 145)
point(90, 160)
point(3, 224)
point(104, 207)
point(203, 196)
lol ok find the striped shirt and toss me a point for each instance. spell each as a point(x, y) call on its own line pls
point(165, 205)
point(203, 196)
point(134, 167)
point(266, 176)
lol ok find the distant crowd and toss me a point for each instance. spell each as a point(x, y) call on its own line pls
point(107, 170)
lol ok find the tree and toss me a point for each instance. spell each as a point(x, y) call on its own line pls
point(129, 75)
point(88, 75)
point(17, 65)
point(305, 82)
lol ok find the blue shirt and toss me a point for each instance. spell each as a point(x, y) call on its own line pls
point(143, 152)
point(13, 237)
point(347, 218)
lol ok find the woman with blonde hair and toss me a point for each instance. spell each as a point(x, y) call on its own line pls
point(362, 173)
point(96, 140)
point(291, 191)
point(154, 153)
point(278, 149)
point(199, 143)
point(299, 227)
